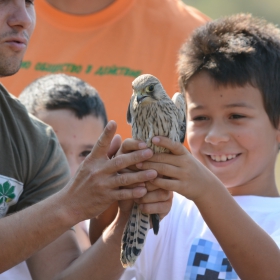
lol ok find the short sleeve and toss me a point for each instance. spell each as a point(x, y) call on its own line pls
point(46, 169)
point(276, 237)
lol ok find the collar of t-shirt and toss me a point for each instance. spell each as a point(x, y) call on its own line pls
point(106, 16)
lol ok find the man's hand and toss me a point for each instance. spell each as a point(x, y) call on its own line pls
point(156, 200)
point(96, 184)
point(117, 148)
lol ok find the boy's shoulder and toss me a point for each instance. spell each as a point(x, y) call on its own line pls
point(258, 204)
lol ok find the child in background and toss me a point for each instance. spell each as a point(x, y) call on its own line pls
point(77, 114)
point(225, 226)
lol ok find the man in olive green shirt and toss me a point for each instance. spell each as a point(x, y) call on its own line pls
point(33, 172)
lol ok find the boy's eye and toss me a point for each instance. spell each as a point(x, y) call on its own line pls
point(84, 153)
point(236, 116)
point(29, 2)
point(200, 118)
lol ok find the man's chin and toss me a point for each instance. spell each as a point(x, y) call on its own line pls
point(9, 71)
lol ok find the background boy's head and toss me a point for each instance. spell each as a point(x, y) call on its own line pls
point(73, 108)
point(236, 51)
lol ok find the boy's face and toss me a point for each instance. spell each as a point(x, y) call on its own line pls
point(76, 136)
point(229, 131)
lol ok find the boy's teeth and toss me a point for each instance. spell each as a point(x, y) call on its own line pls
point(222, 157)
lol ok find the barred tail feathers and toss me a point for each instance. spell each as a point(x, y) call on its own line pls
point(134, 236)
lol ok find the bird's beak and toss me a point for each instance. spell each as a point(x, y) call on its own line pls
point(140, 98)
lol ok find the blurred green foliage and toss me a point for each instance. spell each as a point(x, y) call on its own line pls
point(269, 9)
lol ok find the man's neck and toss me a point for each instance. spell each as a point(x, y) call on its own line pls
point(80, 7)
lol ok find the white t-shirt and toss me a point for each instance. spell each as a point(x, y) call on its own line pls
point(185, 248)
point(18, 272)
point(21, 272)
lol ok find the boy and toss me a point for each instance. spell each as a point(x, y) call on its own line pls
point(229, 226)
point(76, 113)
point(74, 110)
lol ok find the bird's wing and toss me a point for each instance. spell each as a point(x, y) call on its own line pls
point(180, 103)
point(128, 113)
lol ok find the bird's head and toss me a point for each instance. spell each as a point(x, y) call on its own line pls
point(147, 89)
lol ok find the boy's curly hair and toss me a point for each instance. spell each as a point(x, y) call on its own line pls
point(235, 51)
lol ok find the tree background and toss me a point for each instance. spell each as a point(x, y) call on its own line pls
point(269, 9)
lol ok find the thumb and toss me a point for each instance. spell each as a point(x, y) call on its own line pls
point(115, 145)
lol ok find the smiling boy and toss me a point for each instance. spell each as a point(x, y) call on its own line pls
point(225, 226)
point(230, 133)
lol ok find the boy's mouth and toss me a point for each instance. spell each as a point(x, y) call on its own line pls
point(219, 158)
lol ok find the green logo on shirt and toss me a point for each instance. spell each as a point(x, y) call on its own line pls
point(7, 192)
point(10, 191)
point(113, 70)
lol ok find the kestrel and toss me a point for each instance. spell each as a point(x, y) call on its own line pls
point(151, 113)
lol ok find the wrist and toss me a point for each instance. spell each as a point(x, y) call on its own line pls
point(113, 233)
point(214, 191)
point(120, 220)
point(209, 186)
point(69, 214)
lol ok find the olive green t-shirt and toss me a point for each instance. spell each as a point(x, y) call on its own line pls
point(32, 163)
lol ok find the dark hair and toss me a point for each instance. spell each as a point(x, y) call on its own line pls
point(60, 91)
point(235, 51)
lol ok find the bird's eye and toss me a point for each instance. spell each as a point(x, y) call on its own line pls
point(150, 88)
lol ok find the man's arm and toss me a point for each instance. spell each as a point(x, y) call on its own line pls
point(89, 193)
point(29, 230)
point(62, 259)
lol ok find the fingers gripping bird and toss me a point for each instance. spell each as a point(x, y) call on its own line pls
point(151, 113)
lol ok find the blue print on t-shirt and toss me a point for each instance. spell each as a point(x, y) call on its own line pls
point(207, 261)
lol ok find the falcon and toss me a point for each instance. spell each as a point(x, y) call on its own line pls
point(151, 113)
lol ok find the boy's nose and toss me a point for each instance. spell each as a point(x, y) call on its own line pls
point(73, 164)
point(217, 134)
point(73, 167)
point(20, 16)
